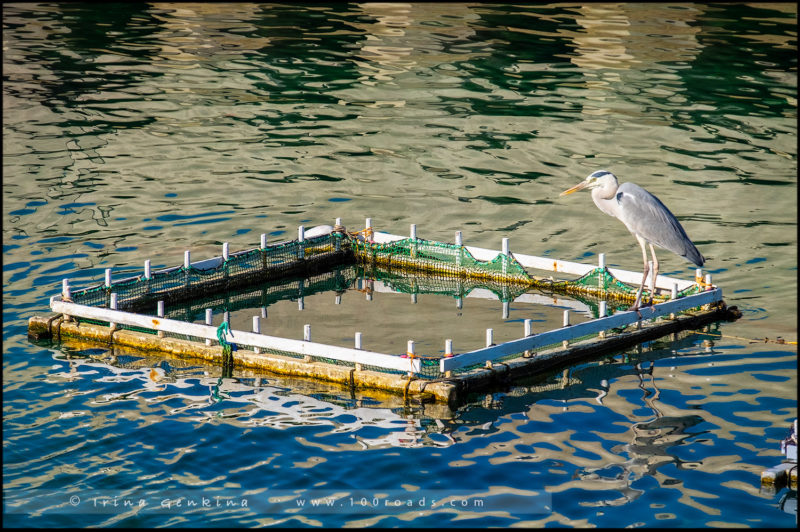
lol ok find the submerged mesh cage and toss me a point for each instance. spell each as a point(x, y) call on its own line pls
point(262, 276)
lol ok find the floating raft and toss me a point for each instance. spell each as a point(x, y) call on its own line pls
point(132, 312)
point(785, 473)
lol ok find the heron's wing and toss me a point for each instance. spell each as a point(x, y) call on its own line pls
point(645, 215)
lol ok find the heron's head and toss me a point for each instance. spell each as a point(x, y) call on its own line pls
point(596, 179)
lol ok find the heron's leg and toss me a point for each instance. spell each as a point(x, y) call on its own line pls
point(653, 274)
point(642, 243)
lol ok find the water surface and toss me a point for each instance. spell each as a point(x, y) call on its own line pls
point(140, 130)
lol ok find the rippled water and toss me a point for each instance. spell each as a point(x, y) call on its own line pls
point(138, 130)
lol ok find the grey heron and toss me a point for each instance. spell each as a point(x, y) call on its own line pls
point(645, 216)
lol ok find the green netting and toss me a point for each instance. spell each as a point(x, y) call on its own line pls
point(176, 284)
point(431, 257)
point(439, 257)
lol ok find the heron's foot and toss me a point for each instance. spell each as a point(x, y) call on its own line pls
point(635, 307)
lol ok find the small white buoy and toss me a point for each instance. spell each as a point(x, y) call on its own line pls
point(320, 230)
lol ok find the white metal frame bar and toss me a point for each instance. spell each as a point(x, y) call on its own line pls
point(301, 347)
point(575, 331)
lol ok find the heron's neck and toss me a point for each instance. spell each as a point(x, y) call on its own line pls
point(604, 192)
point(603, 197)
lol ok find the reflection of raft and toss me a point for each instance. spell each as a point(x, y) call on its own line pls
point(132, 311)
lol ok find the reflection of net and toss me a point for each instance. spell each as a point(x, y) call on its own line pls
point(260, 277)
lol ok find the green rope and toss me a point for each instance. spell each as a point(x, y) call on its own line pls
point(223, 329)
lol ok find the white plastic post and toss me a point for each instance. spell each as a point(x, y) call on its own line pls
point(368, 223)
point(147, 269)
point(506, 308)
point(113, 306)
point(108, 277)
point(338, 299)
point(338, 222)
point(410, 353)
point(209, 321)
point(565, 343)
point(601, 263)
point(301, 249)
point(708, 281)
point(489, 337)
point(263, 240)
point(414, 299)
point(413, 232)
point(66, 294)
point(307, 332)
point(187, 261)
point(459, 242)
point(528, 331)
point(448, 348)
point(602, 314)
point(506, 253)
point(225, 249)
point(257, 330)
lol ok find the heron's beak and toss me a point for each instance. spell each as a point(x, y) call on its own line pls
point(576, 188)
